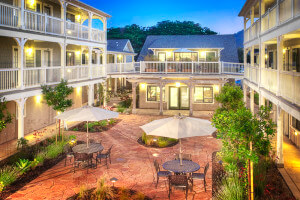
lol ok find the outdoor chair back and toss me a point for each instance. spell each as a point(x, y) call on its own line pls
point(184, 157)
point(81, 158)
point(178, 181)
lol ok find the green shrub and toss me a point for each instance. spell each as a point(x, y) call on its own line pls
point(120, 109)
point(34, 164)
point(8, 175)
point(76, 129)
point(23, 165)
point(22, 143)
point(72, 137)
point(102, 123)
point(40, 157)
point(103, 191)
point(53, 150)
point(256, 98)
point(259, 177)
point(139, 196)
point(112, 121)
point(126, 103)
point(231, 188)
point(1, 187)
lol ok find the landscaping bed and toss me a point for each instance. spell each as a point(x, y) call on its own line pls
point(94, 127)
point(156, 141)
point(108, 193)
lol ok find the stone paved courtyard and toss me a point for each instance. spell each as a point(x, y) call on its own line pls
point(132, 164)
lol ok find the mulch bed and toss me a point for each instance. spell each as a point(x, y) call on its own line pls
point(116, 192)
point(29, 176)
point(81, 127)
point(140, 141)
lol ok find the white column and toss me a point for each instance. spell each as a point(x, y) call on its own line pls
point(21, 112)
point(280, 161)
point(21, 42)
point(22, 14)
point(134, 97)
point(104, 93)
point(63, 54)
point(279, 61)
point(105, 28)
point(191, 96)
point(90, 25)
point(90, 62)
point(63, 16)
point(161, 105)
point(91, 98)
point(262, 61)
point(104, 60)
point(252, 100)
point(262, 100)
point(116, 85)
point(252, 15)
point(245, 93)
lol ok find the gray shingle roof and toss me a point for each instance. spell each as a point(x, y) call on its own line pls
point(227, 42)
point(117, 45)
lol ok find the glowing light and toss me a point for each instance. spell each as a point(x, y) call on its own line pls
point(69, 54)
point(216, 88)
point(78, 17)
point(266, 56)
point(77, 53)
point(78, 89)
point(29, 51)
point(169, 54)
point(177, 84)
point(155, 155)
point(31, 3)
point(38, 99)
point(283, 51)
point(143, 85)
point(58, 113)
point(120, 56)
point(69, 32)
point(296, 133)
point(69, 70)
point(202, 54)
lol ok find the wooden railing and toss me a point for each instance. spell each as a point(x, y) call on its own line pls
point(9, 15)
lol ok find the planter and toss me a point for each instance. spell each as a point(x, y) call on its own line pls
point(155, 145)
point(187, 70)
point(151, 70)
point(171, 70)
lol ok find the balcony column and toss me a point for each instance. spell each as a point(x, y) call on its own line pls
point(191, 96)
point(91, 96)
point(280, 161)
point(90, 62)
point(262, 61)
point(262, 7)
point(90, 25)
point(262, 100)
point(279, 61)
point(63, 54)
point(252, 100)
point(245, 93)
point(63, 11)
point(161, 104)
point(21, 42)
point(105, 28)
point(21, 21)
point(252, 56)
point(104, 85)
point(21, 112)
point(134, 84)
point(252, 12)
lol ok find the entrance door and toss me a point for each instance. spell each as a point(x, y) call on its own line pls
point(179, 98)
point(47, 10)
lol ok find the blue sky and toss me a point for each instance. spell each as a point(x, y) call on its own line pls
point(220, 16)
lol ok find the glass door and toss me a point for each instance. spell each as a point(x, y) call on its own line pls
point(179, 98)
point(184, 98)
point(174, 100)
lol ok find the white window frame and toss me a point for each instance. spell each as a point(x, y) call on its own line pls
point(153, 85)
point(195, 102)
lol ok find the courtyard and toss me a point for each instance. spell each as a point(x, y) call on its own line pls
point(132, 165)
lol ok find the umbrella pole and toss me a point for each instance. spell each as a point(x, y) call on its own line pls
point(180, 152)
point(87, 133)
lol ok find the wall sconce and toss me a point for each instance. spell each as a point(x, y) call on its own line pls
point(119, 56)
point(296, 133)
point(38, 99)
point(266, 56)
point(69, 70)
point(283, 51)
point(69, 32)
point(216, 88)
point(78, 17)
point(29, 51)
point(202, 54)
point(155, 155)
point(58, 113)
point(143, 85)
point(77, 53)
point(113, 180)
point(78, 89)
point(169, 54)
point(177, 84)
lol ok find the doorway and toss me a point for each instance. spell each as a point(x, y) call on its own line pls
point(179, 98)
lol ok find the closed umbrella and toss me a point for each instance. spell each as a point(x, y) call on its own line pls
point(179, 127)
point(88, 114)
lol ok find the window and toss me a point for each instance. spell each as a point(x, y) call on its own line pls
point(15, 57)
point(286, 61)
point(296, 60)
point(94, 58)
point(186, 56)
point(84, 59)
point(272, 60)
point(162, 57)
point(296, 123)
point(110, 58)
point(153, 93)
point(70, 61)
point(203, 94)
point(210, 56)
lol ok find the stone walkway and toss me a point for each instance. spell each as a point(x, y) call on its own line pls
point(132, 164)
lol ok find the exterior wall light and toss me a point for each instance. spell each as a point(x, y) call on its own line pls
point(202, 54)
point(266, 56)
point(77, 53)
point(177, 84)
point(169, 54)
point(216, 88)
point(38, 99)
point(143, 85)
point(29, 51)
point(78, 89)
point(58, 113)
point(69, 70)
point(283, 51)
point(78, 17)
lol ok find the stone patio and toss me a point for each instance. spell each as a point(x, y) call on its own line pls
point(132, 164)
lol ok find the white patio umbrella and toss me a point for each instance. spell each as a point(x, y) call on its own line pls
point(88, 114)
point(179, 127)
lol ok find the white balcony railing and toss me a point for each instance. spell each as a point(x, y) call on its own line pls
point(98, 71)
point(9, 79)
point(11, 16)
point(75, 73)
point(176, 67)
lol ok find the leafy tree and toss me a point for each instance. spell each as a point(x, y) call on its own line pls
point(5, 116)
point(138, 34)
point(56, 97)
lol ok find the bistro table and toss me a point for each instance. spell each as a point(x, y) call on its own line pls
point(186, 167)
point(93, 148)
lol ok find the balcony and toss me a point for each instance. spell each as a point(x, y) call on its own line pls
point(177, 68)
point(11, 79)
point(10, 16)
point(279, 14)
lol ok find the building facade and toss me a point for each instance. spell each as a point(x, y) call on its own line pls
point(272, 69)
point(43, 42)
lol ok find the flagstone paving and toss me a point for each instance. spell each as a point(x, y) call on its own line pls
point(132, 165)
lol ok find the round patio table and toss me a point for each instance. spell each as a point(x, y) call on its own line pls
point(186, 167)
point(93, 148)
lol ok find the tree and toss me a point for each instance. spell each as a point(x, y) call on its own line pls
point(56, 97)
point(5, 116)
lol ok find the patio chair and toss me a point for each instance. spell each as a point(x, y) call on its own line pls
point(81, 142)
point(105, 155)
point(69, 153)
point(180, 182)
point(160, 173)
point(201, 176)
point(80, 158)
point(92, 141)
point(184, 157)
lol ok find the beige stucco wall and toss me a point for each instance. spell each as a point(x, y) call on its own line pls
point(6, 51)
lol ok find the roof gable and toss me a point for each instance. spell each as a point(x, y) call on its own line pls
point(120, 45)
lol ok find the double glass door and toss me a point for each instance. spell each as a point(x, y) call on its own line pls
point(179, 98)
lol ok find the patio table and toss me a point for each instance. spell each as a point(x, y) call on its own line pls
point(186, 167)
point(93, 148)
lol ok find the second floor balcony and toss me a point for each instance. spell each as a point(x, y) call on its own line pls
point(52, 20)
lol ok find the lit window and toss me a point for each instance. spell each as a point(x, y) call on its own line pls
point(203, 94)
point(153, 93)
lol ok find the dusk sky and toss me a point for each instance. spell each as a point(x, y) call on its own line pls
point(220, 16)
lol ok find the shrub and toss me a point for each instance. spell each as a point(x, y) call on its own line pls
point(120, 109)
point(103, 191)
point(124, 194)
point(162, 142)
point(126, 103)
point(8, 175)
point(22, 143)
point(83, 192)
point(259, 177)
point(53, 150)
point(34, 164)
point(23, 165)
point(40, 157)
point(1, 187)
point(75, 129)
point(112, 121)
point(102, 123)
point(72, 137)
